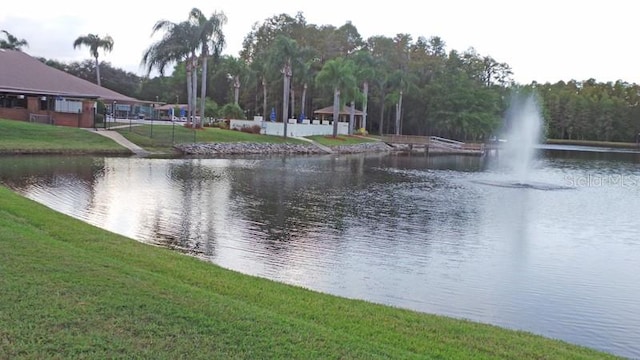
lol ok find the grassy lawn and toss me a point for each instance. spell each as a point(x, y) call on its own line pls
point(339, 140)
point(22, 137)
point(70, 290)
point(162, 137)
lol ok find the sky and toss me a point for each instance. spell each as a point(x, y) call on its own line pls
point(542, 41)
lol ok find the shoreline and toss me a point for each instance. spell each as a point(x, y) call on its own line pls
point(246, 148)
point(594, 143)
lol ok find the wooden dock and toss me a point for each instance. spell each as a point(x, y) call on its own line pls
point(435, 144)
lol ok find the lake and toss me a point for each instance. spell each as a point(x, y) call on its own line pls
point(432, 234)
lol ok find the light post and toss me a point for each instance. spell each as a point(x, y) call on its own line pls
point(152, 115)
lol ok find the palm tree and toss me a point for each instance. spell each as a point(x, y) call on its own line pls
point(259, 70)
point(382, 80)
point(210, 38)
point(12, 42)
point(235, 69)
point(178, 44)
point(339, 74)
point(283, 53)
point(365, 71)
point(95, 43)
point(305, 68)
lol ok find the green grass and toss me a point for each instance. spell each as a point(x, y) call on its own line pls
point(22, 137)
point(609, 144)
point(70, 290)
point(339, 140)
point(162, 137)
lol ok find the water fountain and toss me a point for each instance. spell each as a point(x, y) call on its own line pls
point(517, 155)
point(523, 127)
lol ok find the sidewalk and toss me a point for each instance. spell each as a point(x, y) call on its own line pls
point(318, 145)
point(115, 136)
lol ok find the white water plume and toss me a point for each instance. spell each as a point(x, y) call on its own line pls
point(523, 128)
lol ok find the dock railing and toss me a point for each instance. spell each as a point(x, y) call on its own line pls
point(433, 141)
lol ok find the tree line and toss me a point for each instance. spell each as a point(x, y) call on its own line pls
point(403, 85)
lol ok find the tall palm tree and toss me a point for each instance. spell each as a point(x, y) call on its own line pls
point(178, 44)
point(305, 68)
point(284, 51)
point(339, 74)
point(235, 69)
point(364, 73)
point(382, 80)
point(95, 43)
point(210, 39)
point(12, 42)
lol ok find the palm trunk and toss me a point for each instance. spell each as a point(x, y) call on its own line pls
point(293, 102)
point(399, 115)
point(203, 86)
point(303, 100)
point(382, 115)
point(264, 99)
point(194, 94)
point(98, 71)
point(236, 88)
point(285, 98)
point(397, 127)
point(336, 111)
point(352, 116)
point(365, 90)
point(189, 90)
point(286, 72)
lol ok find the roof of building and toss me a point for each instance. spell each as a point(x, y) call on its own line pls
point(24, 74)
point(346, 110)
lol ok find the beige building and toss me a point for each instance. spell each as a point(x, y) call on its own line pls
point(33, 91)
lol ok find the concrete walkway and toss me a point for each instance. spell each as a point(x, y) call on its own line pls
point(317, 144)
point(115, 136)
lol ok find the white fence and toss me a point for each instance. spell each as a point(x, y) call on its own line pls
point(313, 127)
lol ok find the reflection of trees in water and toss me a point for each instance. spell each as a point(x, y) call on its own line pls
point(75, 174)
point(279, 204)
point(297, 199)
point(190, 229)
point(28, 169)
point(283, 203)
point(298, 195)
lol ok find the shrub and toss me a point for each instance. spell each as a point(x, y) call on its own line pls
point(254, 129)
point(362, 131)
point(232, 111)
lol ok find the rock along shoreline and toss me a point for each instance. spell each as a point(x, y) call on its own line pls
point(239, 148)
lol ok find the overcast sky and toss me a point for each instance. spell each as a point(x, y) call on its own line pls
point(542, 40)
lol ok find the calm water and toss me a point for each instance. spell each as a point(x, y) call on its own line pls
point(408, 231)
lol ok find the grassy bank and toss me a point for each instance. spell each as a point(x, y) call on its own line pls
point(163, 137)
point(17, 137)
point(339, 140)
point(70, 290)
point(605, 144)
